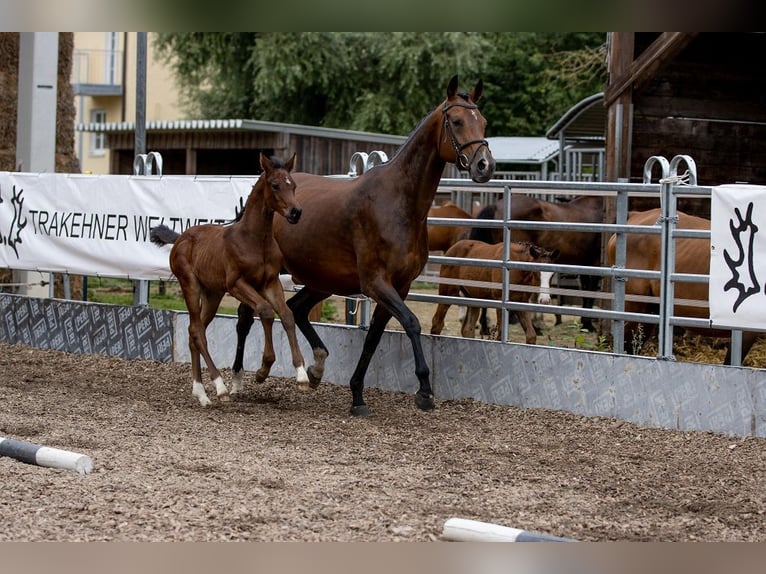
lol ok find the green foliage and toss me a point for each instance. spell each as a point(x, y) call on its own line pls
point(383, 82)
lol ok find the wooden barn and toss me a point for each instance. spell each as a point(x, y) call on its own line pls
point(699, 94)
point(231, 147)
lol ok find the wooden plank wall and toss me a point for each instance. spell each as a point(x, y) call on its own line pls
point(709, 103)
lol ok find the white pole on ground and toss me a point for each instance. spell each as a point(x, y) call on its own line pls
point(45, 456)
point(464, 530)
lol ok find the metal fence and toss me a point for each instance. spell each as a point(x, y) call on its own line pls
point(668, 187)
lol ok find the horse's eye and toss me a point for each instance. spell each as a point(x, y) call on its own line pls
point(457, 122)
point(275, 186)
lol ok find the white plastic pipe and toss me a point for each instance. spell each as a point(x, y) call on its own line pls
point(464, 530)
point(45, 456)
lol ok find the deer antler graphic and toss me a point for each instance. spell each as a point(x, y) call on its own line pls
point(19, 222)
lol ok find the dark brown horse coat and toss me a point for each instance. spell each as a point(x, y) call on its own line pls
point(692, 256)
point(574, 247)
point(369, 234)
point(465, 274)
point(442, 237)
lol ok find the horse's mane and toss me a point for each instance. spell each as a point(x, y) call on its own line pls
point(464, 95)
point(483, 233)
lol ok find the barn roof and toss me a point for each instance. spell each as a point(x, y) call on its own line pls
point(241, 125)
point(584, 122)
point(524, 150)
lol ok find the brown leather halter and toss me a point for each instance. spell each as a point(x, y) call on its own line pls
point(460, 158)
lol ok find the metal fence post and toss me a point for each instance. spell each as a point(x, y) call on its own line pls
point(620, 260)
point(142, 165)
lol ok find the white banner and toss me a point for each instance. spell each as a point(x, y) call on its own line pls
point(738, 256)
point(99, 224)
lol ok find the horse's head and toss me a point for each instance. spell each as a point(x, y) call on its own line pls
point(542, 255)
point(463, 140)
point(279, 187)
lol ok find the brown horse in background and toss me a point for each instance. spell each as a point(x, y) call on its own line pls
point(369, 234)
point(462, 276)
point(692, 256)
point(442, 237)
point(241, 259)
point(574, 247)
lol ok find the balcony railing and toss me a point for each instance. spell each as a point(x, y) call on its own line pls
point(97, 73)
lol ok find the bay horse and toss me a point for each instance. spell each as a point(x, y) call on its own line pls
point(442, 237)
point(466, 274)
point(369, 234)
point(692, 256)
point(574, 247)
point(242, 259)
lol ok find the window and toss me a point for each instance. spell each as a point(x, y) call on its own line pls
point(97, 139)
point(112, 53)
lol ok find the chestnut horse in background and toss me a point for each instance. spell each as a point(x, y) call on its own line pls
point(692, 256)
point(574, 247)
point(241, 259)
point(369, 234)
point(442, 237)
point(466, 274)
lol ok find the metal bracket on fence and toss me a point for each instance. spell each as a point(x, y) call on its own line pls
point(687, 178)
point(664, 166)
point(143, 163)
point(361, 161)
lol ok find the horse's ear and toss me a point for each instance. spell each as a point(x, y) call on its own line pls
point(290, 164)
point(452, 87)
point(555, 254)
point(265, 162)
point(477, 91)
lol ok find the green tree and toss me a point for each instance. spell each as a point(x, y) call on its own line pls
point(383, 82)
point(533, 78)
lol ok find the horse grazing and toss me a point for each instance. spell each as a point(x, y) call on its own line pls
point(243, 260)
point(574, 247)
point(470, 274)
point(442, 237)
point(369, 234)
point(692, 257)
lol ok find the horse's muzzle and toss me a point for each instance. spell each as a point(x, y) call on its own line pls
point(293, 215)
point(483, 168)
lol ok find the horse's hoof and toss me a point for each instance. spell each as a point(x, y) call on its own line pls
point(424, 402)
point(224, 398)
point(304, 386)
point(260, 378)
point(313, 379)
point(360, 410)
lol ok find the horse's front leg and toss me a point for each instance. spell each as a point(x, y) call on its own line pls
point(389, 303)
point(525, 320)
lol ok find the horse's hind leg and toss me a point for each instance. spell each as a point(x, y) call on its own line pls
point(437, 322)
point(301, 304)
point(525, 320)
point(210, 303)
point(468, 325)
point(588, 283)
point(245, 322)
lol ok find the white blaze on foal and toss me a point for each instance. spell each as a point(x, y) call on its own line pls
point(544, 298)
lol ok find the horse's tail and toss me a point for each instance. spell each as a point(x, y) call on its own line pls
point(163, 235)
point(484, 234)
